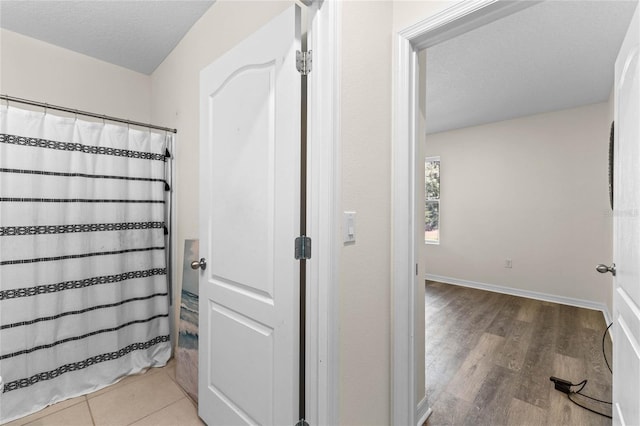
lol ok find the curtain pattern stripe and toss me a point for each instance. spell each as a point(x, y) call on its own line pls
point(9, 231)
point(77, 256)
point(75, 366)
point(78, 147)
point(84, 336)
point(76, 284)
point(82, 175)
point(83, 272)
point(81, 311)
point(73, 200)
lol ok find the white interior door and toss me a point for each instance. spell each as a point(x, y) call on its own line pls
point(626, 340)
point(249, 218)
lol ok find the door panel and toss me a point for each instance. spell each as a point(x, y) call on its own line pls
point(627, 374)
point(241, 117)
point(626, 347)
point(251, 365)
point(249, 218)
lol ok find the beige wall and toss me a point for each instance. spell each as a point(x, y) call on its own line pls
point(532, 189)
point(35, 70)
point(407, 13)
point(365, 268)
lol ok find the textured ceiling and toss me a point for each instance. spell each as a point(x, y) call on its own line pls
point(550, 56)
point(134, 34)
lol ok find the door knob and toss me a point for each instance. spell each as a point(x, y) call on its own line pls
point(603, 269)
point(202, 264)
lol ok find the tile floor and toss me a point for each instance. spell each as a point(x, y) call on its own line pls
point(152, 398)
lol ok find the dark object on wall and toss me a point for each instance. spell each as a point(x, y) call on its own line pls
point(611, 165)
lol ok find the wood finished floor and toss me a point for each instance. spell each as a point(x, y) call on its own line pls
point(489, 357)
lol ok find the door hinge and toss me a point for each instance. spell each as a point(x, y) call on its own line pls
point(303, 62)
point(303, 248)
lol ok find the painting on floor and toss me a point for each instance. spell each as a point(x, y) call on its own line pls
point(187, 352)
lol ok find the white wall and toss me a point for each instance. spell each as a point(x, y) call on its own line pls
point(532, 189)
point(35, 70)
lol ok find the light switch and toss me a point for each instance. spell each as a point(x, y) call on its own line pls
point(349, 227)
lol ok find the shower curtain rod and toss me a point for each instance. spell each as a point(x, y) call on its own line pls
point(85, 113)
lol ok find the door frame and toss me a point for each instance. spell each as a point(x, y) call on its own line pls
point(323, 214)
point(461, 17)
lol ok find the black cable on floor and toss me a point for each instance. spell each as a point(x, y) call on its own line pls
point(565, 387)
point(582, 384)
point(604, 354)
point(587, 408)
point(594, 399)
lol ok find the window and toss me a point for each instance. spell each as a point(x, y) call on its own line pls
point(432, 200)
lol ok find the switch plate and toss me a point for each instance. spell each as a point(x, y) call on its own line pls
point(349, 227)
point(508, 264)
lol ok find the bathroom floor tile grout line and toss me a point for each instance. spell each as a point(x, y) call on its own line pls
point(47, 415)
point(93, 420)
point(154, 412)
point(118, 387)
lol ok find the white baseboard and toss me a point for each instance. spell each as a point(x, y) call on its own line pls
point(423, 411)
point(580, 303)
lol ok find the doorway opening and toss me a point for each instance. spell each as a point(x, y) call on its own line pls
point(452, 22)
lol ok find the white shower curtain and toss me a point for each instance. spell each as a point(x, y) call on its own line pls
point(83, 274)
